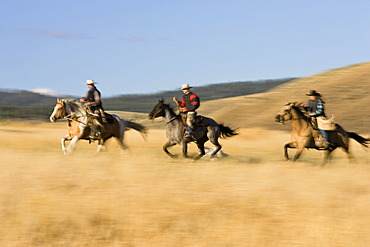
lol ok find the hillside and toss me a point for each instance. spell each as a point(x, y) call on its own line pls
point(25, 104)
point(144, 103)
point(345, 91)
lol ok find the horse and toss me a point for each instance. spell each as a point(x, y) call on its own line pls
point(176, 131)
point(303, 134)
point(80, 125)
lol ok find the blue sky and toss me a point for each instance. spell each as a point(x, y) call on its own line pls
point(145, 46)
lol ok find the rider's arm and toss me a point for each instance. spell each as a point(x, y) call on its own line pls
point(181, 103)
point(319, 109)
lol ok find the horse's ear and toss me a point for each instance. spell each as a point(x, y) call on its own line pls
point(161, 100)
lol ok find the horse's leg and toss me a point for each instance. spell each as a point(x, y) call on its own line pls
point(327, 156)
point(345, 146)
point(63, 141)
point(121, 144)
point(201, 150)
point(101, 146)
point(184, 147)
point(121, 136)
point(72, 145)
point(298, 153)
point(301, 145)
point(286, 146)
point(167, 145)
point(351, 159)
point(213, 138)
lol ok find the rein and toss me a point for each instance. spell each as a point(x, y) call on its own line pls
point(169, 121)
point(73, 119)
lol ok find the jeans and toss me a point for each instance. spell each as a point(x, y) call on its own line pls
point(325, 134)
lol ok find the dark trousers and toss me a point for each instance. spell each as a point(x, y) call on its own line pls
point(325, 134)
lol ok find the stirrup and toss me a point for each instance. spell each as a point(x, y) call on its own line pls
point(189, 136)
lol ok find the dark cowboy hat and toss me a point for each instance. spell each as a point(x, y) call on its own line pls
point(313, 93)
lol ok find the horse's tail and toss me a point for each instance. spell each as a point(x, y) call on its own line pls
point(227, 131)
point(136, 126)
point(362, 140)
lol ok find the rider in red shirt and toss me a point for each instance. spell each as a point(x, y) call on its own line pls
point(188, 104)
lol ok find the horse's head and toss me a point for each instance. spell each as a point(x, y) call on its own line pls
point(158, 110)
point(59, 111)
point(285, 114)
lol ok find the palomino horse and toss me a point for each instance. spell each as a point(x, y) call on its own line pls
point(303, 135)
point(80, 124)
point(175, 130)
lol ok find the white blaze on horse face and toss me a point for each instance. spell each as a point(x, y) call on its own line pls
point(52, 116)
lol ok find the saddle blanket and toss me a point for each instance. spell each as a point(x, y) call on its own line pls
point(326, 124)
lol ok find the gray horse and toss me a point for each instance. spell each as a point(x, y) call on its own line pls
point(206, 130)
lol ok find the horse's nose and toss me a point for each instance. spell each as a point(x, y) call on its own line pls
point(52, 119)
point(278, 118)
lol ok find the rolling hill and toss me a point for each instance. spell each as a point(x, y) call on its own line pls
point(345, 91)
point(26, 104)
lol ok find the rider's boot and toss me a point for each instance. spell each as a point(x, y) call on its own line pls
point(102, 115)
point(189, 133)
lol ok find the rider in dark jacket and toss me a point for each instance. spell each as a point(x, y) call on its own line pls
point(93, 103)
point(188, 105)
point(315, 107)
point(93, 97)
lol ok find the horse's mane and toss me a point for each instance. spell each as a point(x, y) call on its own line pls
point(171, 110)
point(74, 103)
point(297, 106)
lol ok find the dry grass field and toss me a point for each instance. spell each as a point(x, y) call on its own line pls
point(144, 198)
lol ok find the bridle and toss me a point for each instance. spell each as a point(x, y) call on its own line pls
point(63, 115)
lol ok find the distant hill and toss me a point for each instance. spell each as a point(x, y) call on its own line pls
point(345, 90)
point(144, 103)
point(26, 104)
point(24, 98)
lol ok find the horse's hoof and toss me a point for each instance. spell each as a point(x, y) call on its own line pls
point(198, 157)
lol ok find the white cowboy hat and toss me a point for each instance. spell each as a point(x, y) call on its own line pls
point(90, 82)
point(185, 86)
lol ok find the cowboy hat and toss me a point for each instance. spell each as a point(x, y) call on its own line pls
point(90, 82)
point(185, 86)
point(313, 93)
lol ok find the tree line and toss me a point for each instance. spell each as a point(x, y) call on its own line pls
point(29, 105)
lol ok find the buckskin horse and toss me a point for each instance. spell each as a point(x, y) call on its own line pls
point(80, 124)
point(303, 133)
point(175, 131)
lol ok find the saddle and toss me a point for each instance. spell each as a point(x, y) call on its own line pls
point(101, 116)
point(199, 125)
point(201, 121)
point(108, 117)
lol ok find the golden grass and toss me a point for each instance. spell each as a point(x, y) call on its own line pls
point(144, 198)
